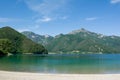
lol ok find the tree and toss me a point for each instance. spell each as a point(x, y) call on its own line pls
point(5, 46)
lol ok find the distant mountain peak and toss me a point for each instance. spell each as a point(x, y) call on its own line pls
point(28, 32)
point(83, 29)
point(79, 30)
point(47, 36)
point(34, 34)
point(7, 27)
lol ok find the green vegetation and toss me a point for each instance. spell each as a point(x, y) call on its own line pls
point(80, 41)
point(5, 46)
point(14, 42)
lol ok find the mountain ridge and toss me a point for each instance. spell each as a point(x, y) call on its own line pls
point(83, 41)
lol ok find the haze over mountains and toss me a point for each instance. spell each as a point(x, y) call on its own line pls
point(78, 41)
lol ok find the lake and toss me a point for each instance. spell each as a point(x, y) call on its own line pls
point(63, 63)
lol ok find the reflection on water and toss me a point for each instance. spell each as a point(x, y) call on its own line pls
point(77, 63)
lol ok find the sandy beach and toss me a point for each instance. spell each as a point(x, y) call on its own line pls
point(4, 75)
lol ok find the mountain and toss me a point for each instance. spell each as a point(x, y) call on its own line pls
point(18, 43)
point(81, 41)
point(41, 39)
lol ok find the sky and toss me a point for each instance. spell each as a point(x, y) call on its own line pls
point(53, 17)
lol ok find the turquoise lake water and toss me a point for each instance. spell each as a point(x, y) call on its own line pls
point(63, 63)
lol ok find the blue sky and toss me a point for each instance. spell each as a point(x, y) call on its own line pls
point(61, 16)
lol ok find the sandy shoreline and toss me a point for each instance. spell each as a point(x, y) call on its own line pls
point(4, 75)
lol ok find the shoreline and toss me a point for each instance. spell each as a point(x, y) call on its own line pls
point(7, 75)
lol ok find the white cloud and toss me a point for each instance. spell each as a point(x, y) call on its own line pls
point(44, 19)
point(115, 1)
point(91, 18)
point(45, 7)
point(47, 10)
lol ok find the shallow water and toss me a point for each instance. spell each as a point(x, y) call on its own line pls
point(63, 63)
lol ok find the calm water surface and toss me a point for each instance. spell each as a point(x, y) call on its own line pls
point(72, 64)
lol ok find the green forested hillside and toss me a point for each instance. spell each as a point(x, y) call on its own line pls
point(18, 42)
point(83, 41)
